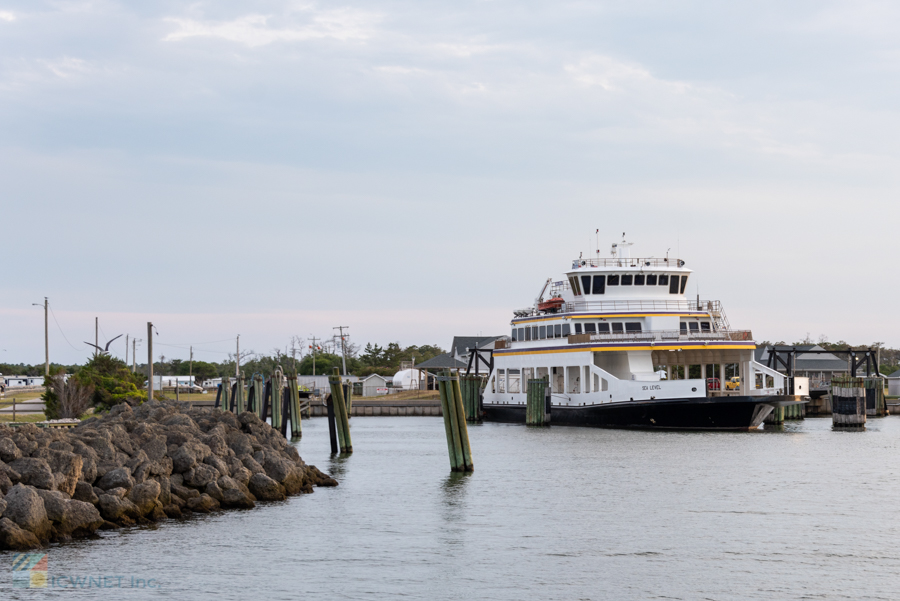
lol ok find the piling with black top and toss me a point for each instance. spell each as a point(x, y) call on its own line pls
point(471, 392)
point(848, 402)
point(874, 388)
point(342, 421)
point(537, 409)
point(455, 424)
point(332, 428)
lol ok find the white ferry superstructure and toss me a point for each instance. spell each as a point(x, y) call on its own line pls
point(616, 340)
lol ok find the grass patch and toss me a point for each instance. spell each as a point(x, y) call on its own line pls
point(37, 417)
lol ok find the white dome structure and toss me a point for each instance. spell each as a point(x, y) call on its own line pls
point(407, 379)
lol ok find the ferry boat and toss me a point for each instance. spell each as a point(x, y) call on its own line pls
point(618, 341)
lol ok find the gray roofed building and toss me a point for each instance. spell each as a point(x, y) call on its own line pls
point(818, 367)
point(894, 384)
point(443, 361)
point(461, 345)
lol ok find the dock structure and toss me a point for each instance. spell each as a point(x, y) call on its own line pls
point(537, 412)
point(848, 396)
point(471, 386)
point(455, 423)
point(341, 417)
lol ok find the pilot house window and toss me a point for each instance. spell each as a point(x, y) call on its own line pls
point(612, 280)
point(651, 279)
point(639, 279)
point(663, 280)
point(673, 284)
point(627, 279)
point(586, 283)
point(599, 284)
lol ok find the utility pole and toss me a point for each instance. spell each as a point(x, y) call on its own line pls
point(96, 335)
point(343, 347)
point(294, 353)
point(46, 339)
point(313, 347)
point(150, 361)
point(237, 358)
point(191, 367)
point(126, 349)
point(134, 342)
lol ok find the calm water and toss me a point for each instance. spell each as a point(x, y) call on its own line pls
point(558, 513)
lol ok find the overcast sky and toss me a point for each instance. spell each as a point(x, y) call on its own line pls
point(415, 170)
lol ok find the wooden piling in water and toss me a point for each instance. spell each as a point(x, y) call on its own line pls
point(874, 389)
point(340, 412)
point(848, 402)
point(332, 428)
point(348, 397)
point(277, 389)
point(455, 424)
point(536, 406)
point(471, 390)
point(238, 402)
point(226, 393)
point(296, 425)
point(255, 396)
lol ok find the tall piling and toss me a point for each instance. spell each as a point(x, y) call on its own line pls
point(455, 424)
point(342, 422)
point(348, 397)
point(471, 391)
point(776, 417)
point(296, 425)
point(225, 388)
point(238, 402)
point(537, 410)
point(874, 388)
point(848, 402)
point(277, 388)
point(255, 395)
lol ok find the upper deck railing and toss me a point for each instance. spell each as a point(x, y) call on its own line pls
point(636, 262)
point(664, 336)
point(714, 307)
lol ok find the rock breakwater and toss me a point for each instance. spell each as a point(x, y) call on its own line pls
point(139, 465)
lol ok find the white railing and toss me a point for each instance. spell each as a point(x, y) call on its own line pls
point(661, 336)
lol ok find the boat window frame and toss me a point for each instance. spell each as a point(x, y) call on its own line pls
point(578, 328)
point(528, 333)
point(586, 283)
point(590, 328)
point(603, 328)
point(684, 280)
point(652, 276)
point(694, 327)
point(674, 282)
point(618, 327)
point(566, 330)
point(641, 277)
point(612, 279)
point(599, 279)
point(557, 330)
point(633, 327)
point(627, 279)
point(543, 332)
point(663, 279)
point(705, 327)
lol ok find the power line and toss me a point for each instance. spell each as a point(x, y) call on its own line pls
point(60, 328)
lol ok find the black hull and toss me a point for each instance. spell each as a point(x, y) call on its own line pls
point(716, 413)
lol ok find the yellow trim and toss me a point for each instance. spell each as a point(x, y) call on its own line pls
point(645, 347)
point(606, 315)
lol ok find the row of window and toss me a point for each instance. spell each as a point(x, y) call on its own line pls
point(694, 326)
point(559, 330)
point(596, 284)
point(580, 380)
point(604, 327)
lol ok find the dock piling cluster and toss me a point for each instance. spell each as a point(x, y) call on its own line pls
point(848, 400)
point(455, 423)
point(537, 408)
point(342, 421)
point(471, 395)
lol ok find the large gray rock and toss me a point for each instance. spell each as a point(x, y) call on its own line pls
point(184, 459)
point(70, 517)
point(2, 505)
point(25, 507)
point(145, 496)
point(16, 539)
point(85, 492)
point(201, 475)
point(203, 504)
point(116, 509)
point(236, 498)
point(9, 452)
point(219, 464)
point(34, 472)
point(155, 448)
point(67, 466)
point(117, 478)
point(266, 489)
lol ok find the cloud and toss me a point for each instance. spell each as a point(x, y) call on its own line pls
point(256, 30)
point(5, 15)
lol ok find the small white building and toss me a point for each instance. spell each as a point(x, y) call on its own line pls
point(893, 381)
point(374, 385)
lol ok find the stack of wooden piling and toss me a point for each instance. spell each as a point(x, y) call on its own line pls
point(341, 414)
point(537, 410)
point(471, 395)
point(848, 402)
point(455, 423)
